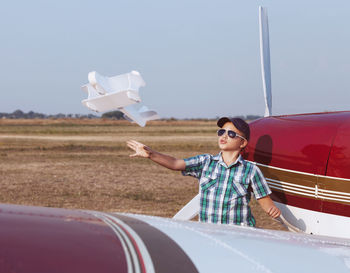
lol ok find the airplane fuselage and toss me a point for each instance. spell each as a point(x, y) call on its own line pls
point(306, 161)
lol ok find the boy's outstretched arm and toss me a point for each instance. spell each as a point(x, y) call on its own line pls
point(167, 161)
point(269, 206)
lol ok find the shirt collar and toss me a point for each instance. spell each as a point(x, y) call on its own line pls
point(219, 158)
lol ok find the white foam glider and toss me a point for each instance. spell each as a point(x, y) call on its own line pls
point(119, 92)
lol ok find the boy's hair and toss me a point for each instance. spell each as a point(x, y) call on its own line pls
point(239, 123)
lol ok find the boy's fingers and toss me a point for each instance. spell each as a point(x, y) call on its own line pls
point(278, 213)
point(130, 142)
point(139, 148)
point(274, 212)
point(271, 211)
point(131, 146)
point(134, 142)
point(134, 145)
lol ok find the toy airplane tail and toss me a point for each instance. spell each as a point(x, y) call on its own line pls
point(140, 116)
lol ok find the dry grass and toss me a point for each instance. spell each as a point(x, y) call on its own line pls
point(85, 164)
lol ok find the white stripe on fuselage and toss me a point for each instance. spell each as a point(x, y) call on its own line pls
point(132, 257)
point(314, 192)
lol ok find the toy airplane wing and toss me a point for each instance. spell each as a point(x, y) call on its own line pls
point(109, 101)
point(121, 93)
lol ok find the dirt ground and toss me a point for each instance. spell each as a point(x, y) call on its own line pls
point(85, 164)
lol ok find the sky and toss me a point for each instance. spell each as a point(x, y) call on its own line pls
point(199, 59)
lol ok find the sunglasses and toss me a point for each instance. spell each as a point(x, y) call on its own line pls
point(230, 133)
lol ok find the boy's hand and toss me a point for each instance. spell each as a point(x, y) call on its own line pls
point(269, 206)
point(140, 149)
point(164, 160)
point(274, 212)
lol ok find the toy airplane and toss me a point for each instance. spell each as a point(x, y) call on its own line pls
point(121, 93)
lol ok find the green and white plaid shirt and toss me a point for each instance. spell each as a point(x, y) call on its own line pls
point(225, 191)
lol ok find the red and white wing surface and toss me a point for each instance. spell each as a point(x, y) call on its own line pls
point(36, 239)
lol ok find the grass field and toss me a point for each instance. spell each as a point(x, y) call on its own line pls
point(85, 164)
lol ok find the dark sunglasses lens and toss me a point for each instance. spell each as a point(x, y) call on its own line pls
point(221, 132)
point(231, 134)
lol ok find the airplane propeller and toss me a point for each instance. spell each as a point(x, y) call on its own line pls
point(265, 59)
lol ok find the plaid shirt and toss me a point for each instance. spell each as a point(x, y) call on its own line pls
point(225, 191)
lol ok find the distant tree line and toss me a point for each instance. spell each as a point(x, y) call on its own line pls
point(113, 115)
point(18, 114)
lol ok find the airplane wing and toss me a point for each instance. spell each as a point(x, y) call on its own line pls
point(109, 101)
point(38, 239)
point(121, 93)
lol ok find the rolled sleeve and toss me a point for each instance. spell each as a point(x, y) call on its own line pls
point(259, 184)
point(194, 165)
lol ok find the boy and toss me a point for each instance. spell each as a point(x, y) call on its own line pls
point(226, 180)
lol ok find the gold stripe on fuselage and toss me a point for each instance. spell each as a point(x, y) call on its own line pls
point(314, 186)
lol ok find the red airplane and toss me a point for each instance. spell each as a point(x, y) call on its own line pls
point(304, 160)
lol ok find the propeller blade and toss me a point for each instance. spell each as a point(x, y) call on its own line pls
point(265, 59)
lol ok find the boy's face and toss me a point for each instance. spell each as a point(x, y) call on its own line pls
point(227, 143)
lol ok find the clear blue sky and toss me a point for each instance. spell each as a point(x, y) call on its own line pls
point(198, 58)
